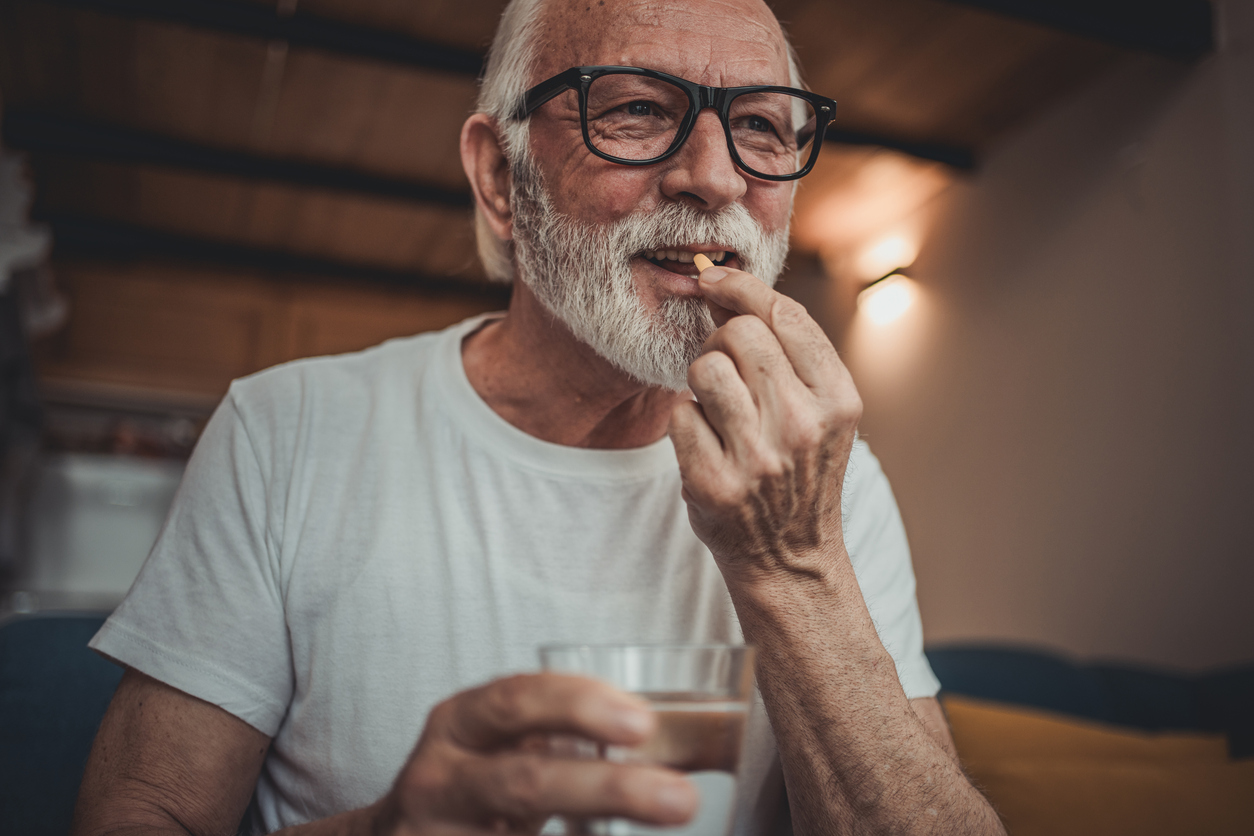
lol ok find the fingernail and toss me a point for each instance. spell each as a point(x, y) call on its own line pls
point(676, 798)
point(713, 274)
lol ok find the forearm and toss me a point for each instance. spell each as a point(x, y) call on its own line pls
point(856, 758)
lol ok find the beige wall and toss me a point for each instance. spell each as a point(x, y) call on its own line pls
point(1066, 412)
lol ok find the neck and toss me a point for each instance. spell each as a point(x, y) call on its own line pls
point(535, 374)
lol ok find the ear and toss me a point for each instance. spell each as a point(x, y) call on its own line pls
point(488, 172)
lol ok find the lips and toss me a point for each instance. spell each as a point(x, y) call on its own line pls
point(680, 260)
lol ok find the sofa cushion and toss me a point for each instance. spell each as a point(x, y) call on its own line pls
point(987, 732)
point(1115, 797)
point(1049, 774)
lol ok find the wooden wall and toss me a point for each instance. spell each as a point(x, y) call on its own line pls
point(179, 330)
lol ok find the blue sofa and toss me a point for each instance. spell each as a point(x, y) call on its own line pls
point(53, 694)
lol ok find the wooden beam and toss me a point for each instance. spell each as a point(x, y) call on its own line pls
point(77, 235)
point(1175, 28)
point(299, 28)
point(36, 131)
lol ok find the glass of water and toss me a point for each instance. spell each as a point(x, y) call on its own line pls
point(700, 694)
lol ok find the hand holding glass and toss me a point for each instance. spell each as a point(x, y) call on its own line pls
point(700, 694)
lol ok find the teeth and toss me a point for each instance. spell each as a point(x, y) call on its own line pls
point(682, 256)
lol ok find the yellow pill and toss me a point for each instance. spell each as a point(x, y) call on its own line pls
point(702, 262)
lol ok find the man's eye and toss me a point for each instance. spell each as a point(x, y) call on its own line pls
point(759, 123)
point(639, 108)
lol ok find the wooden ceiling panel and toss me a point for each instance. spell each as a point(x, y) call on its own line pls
point(376, 232)
point(330, 320)
point(168, 200)
point(211, 88)
point(158, 328)
point(955, 64)
point(452, 245)
point(843, 46)
point(372, 116)
point(418, 127)
point(925, 69)
point(175, 80)
point(67, 184)
point(347, 228)
point(195, 84)
point(161, 328)
point(44, 54)
point(468, 24)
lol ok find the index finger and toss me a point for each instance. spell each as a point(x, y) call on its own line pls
point(506, 710)
point(805, 345)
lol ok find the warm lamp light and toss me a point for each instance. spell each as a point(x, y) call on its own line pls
point(887, 299)
point(885, 255)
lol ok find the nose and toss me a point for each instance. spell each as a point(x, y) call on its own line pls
point(702, 172)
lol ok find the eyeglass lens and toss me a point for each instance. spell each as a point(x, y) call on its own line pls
point(633, 117)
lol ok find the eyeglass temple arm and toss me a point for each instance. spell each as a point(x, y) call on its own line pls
point(541, 93)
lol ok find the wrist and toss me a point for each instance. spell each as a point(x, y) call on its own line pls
point(822, 572)
point(785, 603)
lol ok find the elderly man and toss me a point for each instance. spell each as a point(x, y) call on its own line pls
point(362, 542)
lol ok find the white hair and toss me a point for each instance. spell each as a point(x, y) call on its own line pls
point(511, 62)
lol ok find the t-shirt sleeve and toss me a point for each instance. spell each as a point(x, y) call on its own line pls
point(876, 539)
point(206, 613)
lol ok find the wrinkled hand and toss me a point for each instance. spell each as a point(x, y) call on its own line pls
point(763, 450)
point(482, 763)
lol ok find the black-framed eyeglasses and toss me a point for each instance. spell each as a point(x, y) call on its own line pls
point(636, 116)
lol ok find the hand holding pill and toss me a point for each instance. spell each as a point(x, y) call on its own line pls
point(763, 449)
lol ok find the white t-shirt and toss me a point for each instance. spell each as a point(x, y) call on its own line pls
point(358, 537)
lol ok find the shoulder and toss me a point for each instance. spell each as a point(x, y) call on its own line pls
point(343, 388)
point(341, 375)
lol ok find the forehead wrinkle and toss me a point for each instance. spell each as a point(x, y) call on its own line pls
point(582, 32)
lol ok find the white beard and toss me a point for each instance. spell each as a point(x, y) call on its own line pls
point(582, 275)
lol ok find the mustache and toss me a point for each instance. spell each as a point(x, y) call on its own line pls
point(678, 224)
